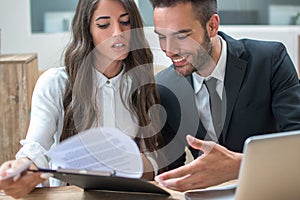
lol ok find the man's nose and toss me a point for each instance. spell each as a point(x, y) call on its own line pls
point(171, 47)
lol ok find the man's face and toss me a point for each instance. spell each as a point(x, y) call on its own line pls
point(182, 38)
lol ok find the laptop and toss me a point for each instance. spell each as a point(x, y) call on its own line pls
point(270, 170)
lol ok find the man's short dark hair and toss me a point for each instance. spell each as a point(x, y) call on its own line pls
point(203, 9)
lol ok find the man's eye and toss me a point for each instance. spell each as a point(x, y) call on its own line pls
point(182, 36)
point(161, 37)
point(103, 26)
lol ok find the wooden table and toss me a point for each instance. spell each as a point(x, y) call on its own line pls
point(76, 193)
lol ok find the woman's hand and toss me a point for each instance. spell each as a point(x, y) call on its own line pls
point(22, 183)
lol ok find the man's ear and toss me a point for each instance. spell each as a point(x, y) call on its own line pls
point(212, 26)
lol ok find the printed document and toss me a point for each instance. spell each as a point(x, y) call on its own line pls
point(99, 149)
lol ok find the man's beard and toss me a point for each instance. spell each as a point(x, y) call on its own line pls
point(203, 59)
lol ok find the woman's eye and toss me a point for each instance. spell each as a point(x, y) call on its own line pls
point(125, 23)
point(102, 26)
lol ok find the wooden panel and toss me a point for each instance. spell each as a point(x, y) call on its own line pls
point(18, 74)
point(32, 74)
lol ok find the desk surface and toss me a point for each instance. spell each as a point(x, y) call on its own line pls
point(76, 193)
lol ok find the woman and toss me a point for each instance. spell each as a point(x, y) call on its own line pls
point(107, 81)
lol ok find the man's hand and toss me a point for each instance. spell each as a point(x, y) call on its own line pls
point(215, 166)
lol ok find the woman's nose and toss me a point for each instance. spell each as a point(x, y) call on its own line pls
point(117, 31)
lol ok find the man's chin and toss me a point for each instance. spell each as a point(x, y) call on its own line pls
point(184, 71)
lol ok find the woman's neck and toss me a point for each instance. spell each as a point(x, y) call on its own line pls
point(111, 70)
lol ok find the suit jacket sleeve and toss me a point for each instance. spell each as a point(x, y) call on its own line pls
point(286, 90)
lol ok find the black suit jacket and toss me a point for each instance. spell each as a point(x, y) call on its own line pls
point(262, 91)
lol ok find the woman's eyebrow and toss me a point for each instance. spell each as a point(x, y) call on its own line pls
point(125, 14)
point(102, 17)
point(108, 17)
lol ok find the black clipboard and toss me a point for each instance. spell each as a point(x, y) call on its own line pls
point(104, 180)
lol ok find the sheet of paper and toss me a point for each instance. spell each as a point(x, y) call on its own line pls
point(103, 149)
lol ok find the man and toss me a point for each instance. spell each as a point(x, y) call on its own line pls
point(255, 81)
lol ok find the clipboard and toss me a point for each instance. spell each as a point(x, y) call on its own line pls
point(104, 180)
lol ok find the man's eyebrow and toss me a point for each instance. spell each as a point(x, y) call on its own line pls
point(177, 32)
point(183, 31)
point(155, 31)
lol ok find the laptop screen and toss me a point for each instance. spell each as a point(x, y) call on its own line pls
point(270, 167)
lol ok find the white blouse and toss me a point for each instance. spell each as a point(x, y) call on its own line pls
point(47, 115)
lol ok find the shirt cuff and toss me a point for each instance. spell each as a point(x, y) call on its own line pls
point(154, 165)
point(34, 152)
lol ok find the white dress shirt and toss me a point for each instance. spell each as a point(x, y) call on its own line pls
point(202, 95)
point(47, 115)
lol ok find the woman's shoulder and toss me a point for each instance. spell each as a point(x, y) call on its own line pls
point(54, 78)
point(55, 73)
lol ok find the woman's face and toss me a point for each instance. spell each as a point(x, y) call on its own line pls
point(110, 29)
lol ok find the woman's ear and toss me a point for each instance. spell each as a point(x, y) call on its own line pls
point(212, 26)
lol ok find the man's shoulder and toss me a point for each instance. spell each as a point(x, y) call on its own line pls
point(168, 77)
point(262, 44)
point(252, 44)
point(160, 76)
point(169, 81)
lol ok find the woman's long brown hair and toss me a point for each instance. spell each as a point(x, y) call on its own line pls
point(79, 104)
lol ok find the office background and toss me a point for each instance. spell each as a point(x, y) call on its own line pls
point(41, 26)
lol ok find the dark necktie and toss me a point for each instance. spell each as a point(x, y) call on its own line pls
point(215, 105)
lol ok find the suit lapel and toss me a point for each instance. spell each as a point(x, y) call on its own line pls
point(234, 76)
